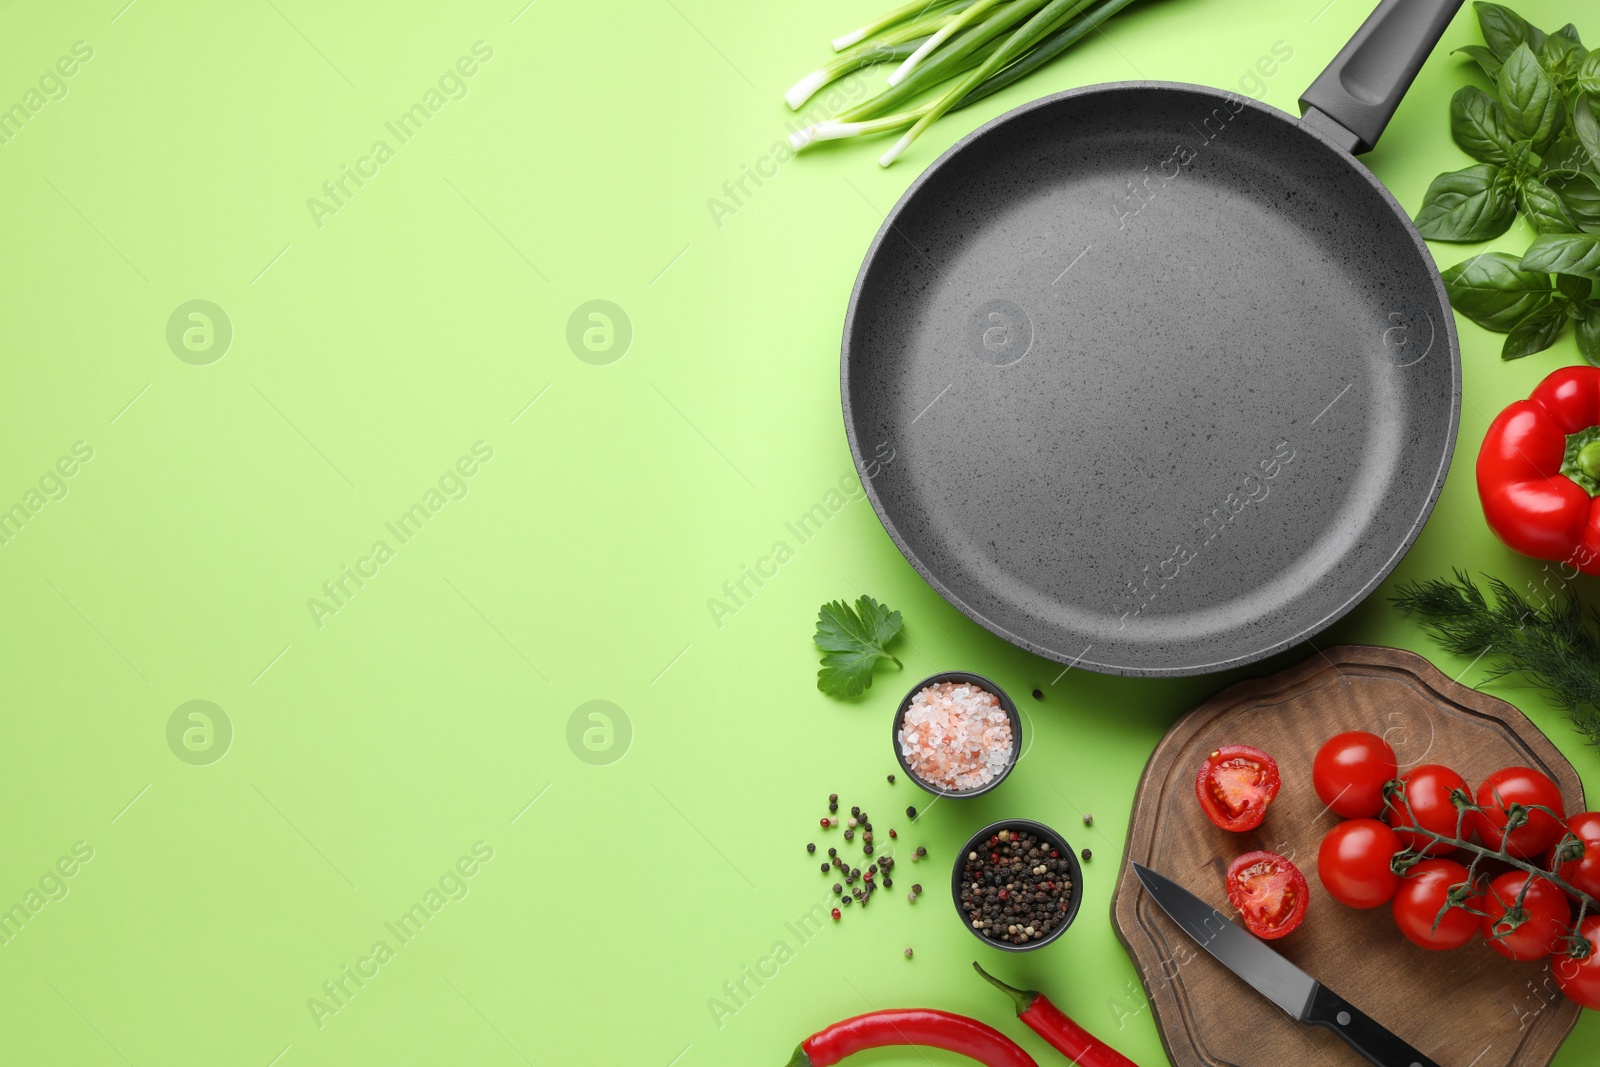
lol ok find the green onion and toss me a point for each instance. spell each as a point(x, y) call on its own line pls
point(959, 51)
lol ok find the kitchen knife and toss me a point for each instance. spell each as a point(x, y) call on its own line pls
point(1275, 978)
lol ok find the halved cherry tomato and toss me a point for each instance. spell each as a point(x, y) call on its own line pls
point(1270, 893)
point(1548, 917)
point(1235, 785)
point(1350, 771)
point(1519, 785)
point(1580, 979)
point(1583, 873)
point(1428, 788)
point(1423, 891)
point(1353, 863)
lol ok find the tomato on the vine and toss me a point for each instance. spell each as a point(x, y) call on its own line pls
point(1353, 863)
point(1526, 786)
point(1580, 979)
point(1270, 893)
point(1583, 873)
point(1423, 892)
point(1548, 916)
point(1235, 785)
point(1350, 771)
point(1428, 789)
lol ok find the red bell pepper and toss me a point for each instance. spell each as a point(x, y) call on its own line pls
point(1539, 471)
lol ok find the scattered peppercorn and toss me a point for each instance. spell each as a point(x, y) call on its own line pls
point(833, 852)
point(825, 868)
point(849, 835)
point(1087, 854)
point(1088, 820)
point(855, 872)
point(911, 813)
point(917, 888)
point(811, 846)
point(826, 822)
point(851, 822)
point(892, 834)
point(888, 883)
point(867, 837)
point(911, 897)
point(835, 914)
point(867, 849)
point(845, 901)
point(837, 889)
point(891, 779)
point(908, 953)
point(919, 853)
point(856, 811)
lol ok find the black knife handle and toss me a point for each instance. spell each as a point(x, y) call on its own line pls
point(1364, 1034)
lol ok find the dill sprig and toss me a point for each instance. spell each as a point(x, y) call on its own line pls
point(1554, 646)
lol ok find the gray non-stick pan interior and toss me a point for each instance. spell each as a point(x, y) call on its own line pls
point(1168, 381)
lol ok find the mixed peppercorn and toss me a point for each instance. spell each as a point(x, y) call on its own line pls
point(1016, 888)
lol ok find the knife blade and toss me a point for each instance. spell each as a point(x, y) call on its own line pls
point(1301, 996)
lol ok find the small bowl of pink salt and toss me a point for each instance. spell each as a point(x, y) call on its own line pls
point(957, 734)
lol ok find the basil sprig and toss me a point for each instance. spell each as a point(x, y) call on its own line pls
point(1536, 138)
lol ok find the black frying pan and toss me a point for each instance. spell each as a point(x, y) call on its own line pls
point(1156, 380)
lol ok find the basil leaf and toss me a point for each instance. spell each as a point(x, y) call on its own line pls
point(1478, 126)
point(1564, 253)
point(1542, 208)
point(1504, 29)
point(1530, 101)
point(1589, 74)
point(1487, 61)
point(1588, 331)
point(1561, 57)
point(1537, 332)
point(1467, 205)
point(1570, 32)
point(1524, 161)
point(1586, 126)
point(1494, 291)
point(1563, 159)
point(1574, 288)
point(1580, 196)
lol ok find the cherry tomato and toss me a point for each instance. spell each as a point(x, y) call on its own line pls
point(1423, 891)
point(1580, 979)
point(1270, 893)
point(1235, 785)
point(1583, 873)
point(1428, 788)
point(1548, 917)
point(1519, 785)
point(1353, 863)
point(1349, 773)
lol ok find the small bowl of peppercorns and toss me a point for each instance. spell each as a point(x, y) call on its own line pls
point(1017, 885)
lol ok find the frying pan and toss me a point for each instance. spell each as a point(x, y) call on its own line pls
point(1153, 379)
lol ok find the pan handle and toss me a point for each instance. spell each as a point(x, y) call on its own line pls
point(1354, 99)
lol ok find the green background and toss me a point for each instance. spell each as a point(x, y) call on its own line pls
point(430, 712)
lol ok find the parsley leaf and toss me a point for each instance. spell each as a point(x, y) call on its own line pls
point(852, 642)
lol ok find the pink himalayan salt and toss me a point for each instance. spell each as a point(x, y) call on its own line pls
point(955, 736)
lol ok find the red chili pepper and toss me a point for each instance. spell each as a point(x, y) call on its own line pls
point(911, 1026)
point(1539, 471)
point(1052, 1024)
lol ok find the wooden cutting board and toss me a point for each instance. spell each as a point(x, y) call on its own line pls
point(1467, 1008)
